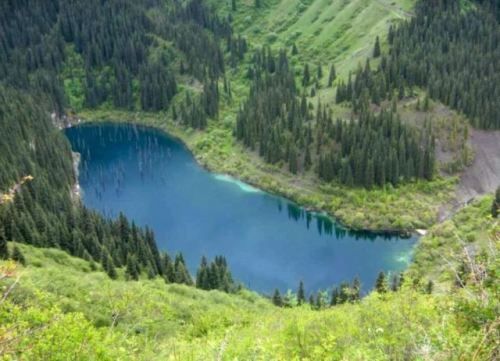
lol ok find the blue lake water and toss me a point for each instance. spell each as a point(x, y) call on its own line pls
point(269, 242)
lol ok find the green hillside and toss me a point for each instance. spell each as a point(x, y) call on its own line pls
point(75, 285)
point(58, 308)
point(340, 32)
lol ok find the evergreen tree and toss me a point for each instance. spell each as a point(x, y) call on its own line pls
point(356, 290)
point(429, 287)
point(380, 283)
point(301, 296)
point(18, 256)
point(131, 270)
point(396, 282)
point(277, 300)
point(202, 276)
point(319, 72)
point(376, 48)
point(312, 301)
point(169, 269)
point(332, 75)
point(334, 296)
point(181, 274)
point(306, 77)
point(319, 301)
point(4, 250)
point(109, 267)
point(495, 207)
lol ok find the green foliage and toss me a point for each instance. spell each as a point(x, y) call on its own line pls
point(215, 276)
point(64, 299)
point(36, 165)
point(440, 254)
point(18, 256)
point(376, 48)
point(432, 51)
point(277, 300)
point(4, 250)
point(495, 205)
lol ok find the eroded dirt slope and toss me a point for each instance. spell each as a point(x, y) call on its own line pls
point(483, 175)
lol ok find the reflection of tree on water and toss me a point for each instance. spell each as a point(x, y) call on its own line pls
point(145, 152)
point(150, 157)
point(325, 225)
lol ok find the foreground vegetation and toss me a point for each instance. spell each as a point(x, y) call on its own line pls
point(147, 63)
point(58, 297)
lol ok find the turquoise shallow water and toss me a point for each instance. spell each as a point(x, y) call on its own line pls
point(269, 241)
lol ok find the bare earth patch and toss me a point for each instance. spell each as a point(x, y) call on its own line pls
point(483, 176)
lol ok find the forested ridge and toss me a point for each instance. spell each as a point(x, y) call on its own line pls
point(139, 55)
point(372, 150)
point(43, 212)
point(451, 52)
point(131, 52)
point(177, 59)
point(123, 66)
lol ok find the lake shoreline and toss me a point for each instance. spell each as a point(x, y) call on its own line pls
point(152, 178)
point(314, 200)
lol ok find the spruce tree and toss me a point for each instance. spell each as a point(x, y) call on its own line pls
point(202, 276)
point(332, 76)
point(4, 250)
point(380, 283)
point(131, 270)
point(181, 274)
point(169, 270)
point(356, 289)
point(306, 77)
point(312, 302)
point(495, 207)
point(301, 295)
point(395, 282)
point(18, 256)
point(376, 48)
point(109, 267)
point(429, 287)
point(334, 297)
point(277, 300)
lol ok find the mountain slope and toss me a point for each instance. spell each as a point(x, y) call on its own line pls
point(56, 295)
point(339, 32)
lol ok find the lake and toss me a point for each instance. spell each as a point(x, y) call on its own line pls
point(269, 242)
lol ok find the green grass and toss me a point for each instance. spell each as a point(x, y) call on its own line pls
point(327, 31)
point(58, 307)
point(439, 253)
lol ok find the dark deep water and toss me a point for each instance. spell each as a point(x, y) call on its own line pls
point(269, 242)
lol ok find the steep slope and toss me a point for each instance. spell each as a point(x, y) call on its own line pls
point(324, 31)
point(58, 296)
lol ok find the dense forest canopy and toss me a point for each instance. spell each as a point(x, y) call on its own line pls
point(131, 55)
point(374, 149)
point(130, 51)
point(174, 55)
point(451, 52)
